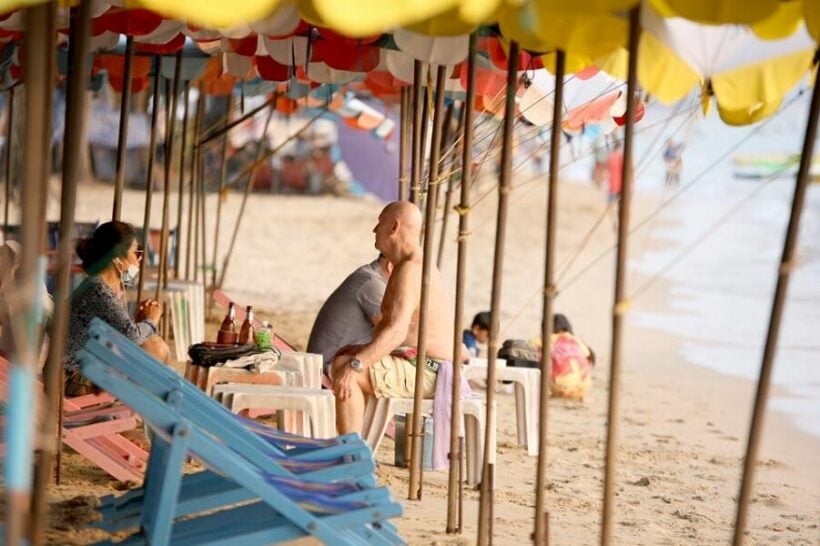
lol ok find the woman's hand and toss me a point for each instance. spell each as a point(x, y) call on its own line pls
point(149, 309)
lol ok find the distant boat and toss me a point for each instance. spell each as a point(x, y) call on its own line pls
point(779, 165)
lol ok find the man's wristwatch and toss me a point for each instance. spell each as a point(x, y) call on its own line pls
point(356, 364)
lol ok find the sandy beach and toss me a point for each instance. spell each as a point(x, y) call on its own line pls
point(682, 427)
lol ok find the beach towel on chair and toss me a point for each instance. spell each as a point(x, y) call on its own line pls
point(442, 413)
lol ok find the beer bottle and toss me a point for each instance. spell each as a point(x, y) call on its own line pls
point(246, 332)
point(227, 330)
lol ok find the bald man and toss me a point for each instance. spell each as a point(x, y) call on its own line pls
point(386, 366)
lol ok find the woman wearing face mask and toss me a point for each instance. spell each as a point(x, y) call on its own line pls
point(111, 258)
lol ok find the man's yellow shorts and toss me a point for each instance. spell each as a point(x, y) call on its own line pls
point(395, 377)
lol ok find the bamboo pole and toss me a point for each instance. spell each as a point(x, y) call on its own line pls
point(541, 535)
point(122, 138)
point(26, 312)
point(404, 141)
point(448, 197)
point(164, 324)
point(149, 179)
point(53, 374)
point(485, 532)
point(442, 153)
point(787, 263)
point(222, 194)
point(427, 266)
point(231, 124)
point(425, 116)
point(453, 498)
point(270, 153)
point(415, 164)
point(203, 224)
point(197, 215)
point(248, 170)
point(248, 189)
point(7, 202)
point(180, 201)
point(190, 245)
point(162, 274)
point(619, 306)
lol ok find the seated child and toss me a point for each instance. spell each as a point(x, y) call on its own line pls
point(479, 332)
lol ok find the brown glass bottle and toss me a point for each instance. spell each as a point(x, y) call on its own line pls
point(246, 331)
point(227, 330)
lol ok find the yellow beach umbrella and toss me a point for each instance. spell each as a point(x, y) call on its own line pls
point(210, 13)
point(358, 18)
point(747, 75)
point(716, 12)
point(769, 18)
point(589, 28)
point(463, 18)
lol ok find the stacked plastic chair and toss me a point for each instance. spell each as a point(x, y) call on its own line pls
point(262, 486)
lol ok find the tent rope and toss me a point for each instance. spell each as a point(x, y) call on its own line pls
point(683, 189)
point(708, 232)
point(647, 219)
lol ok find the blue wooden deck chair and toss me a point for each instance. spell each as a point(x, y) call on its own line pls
point(287, 508)
point(309, 460)
point(207, 491)
point(199, 407)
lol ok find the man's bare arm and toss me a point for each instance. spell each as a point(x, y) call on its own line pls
point(392, 330)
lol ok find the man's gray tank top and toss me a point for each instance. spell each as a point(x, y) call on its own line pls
point(346, 316)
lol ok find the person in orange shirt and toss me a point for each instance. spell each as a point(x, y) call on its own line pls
point(615, 164)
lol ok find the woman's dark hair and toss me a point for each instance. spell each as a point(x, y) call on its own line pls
point(110, 240)
point(560, 323)
point(482, 320)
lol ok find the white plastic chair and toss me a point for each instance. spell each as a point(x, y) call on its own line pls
point(316, 404)
point(380, 411)
point(308, 364)
point(186, 302)
point(527, 382)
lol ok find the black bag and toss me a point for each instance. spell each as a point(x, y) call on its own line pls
point(519, 353)
point(211, 354)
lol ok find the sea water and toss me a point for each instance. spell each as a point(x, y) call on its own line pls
point(726, 238)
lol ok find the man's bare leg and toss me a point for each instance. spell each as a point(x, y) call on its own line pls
point(350, 411)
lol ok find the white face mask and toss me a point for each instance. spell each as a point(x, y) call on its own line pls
point(130, 275)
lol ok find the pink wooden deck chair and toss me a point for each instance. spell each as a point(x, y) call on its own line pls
point(93, 427)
